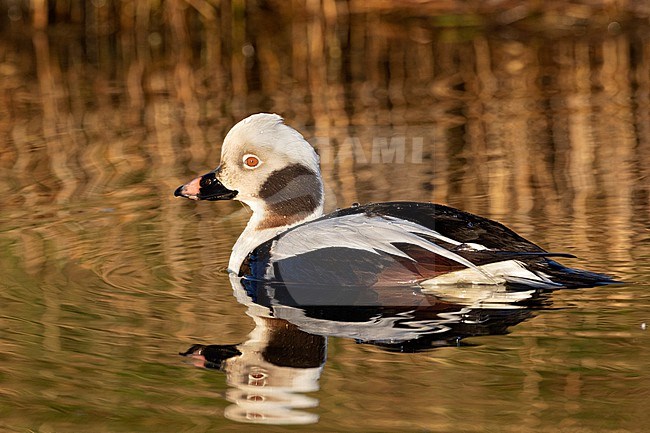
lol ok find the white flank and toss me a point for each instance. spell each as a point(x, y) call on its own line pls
point(507, 271)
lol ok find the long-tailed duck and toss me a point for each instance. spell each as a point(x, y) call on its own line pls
point(270, 167)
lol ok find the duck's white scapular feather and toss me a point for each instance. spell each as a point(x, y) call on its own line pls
point(357, 231)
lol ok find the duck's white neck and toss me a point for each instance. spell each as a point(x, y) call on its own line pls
point(289, 196)
point(263, 226)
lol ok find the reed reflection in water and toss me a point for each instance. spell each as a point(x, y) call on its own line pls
point(105, 107)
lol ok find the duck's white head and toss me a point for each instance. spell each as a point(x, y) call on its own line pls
point(270, 167)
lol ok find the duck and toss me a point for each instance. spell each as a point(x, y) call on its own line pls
point(271, 168)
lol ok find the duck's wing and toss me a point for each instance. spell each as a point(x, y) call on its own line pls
point(395, 243)
point(452, 226)
point(493, 247)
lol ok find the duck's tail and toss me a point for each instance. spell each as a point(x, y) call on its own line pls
point(570, 278)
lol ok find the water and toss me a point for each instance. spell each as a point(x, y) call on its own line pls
point(106, 277)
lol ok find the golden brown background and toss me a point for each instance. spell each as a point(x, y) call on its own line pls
point(533, 113)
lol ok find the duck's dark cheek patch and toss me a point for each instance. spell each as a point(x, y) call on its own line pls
point(283, 181)
point(290, 194)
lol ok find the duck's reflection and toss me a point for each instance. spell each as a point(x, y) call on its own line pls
point(271, 372)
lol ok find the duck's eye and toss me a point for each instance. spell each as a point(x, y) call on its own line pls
point(251, 161)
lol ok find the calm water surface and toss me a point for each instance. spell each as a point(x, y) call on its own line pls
point(105, 277)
